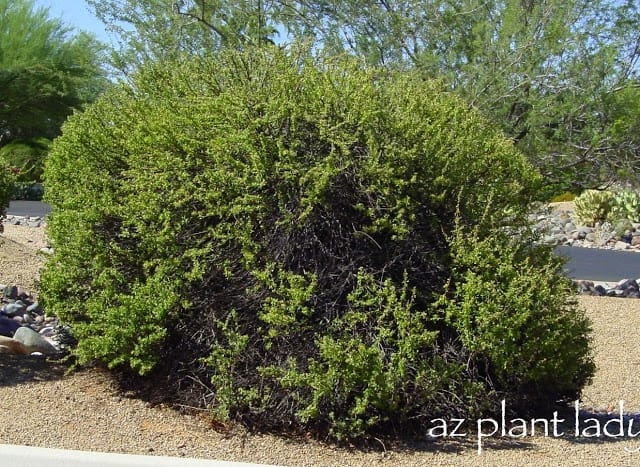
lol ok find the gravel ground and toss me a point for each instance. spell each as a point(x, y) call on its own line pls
point(43, 406)
point(20, 259)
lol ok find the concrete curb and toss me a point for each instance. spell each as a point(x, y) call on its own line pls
point(29, 456)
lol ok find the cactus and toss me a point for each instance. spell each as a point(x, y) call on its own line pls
point(621, 227)
point(593, 206)
point(626, 205)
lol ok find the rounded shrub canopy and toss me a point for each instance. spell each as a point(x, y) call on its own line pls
point(304, 237)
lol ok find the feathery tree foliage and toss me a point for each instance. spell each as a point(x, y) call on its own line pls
point(152, 30)
point(547, 71)
point(45, 72)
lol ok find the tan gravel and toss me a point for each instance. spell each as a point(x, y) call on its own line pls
point(563, 206)
point(20, 257)
point(42, 406)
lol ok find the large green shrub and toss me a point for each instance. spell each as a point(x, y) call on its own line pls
point(273, 235)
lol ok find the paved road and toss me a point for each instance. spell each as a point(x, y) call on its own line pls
point(601, 265)
point(28, 208)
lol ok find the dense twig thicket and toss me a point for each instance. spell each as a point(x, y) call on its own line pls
point(299, 243)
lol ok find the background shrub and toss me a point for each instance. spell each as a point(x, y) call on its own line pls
point(273, 236)
point(27, 156)
point(594, 206)
point(626, 205)
point(6, 183)
point(27, 191)
point(566, 196)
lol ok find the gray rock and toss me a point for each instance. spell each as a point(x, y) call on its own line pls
point(14, 309)
point(22, 293)
point(602, 241)
point(7, 326)
point(46, 331)
point(624, 284)
point(590, 237)
point(601, 290)
point(614, 293)
point(33, 341)
point(34, 308)
point(11, 291)
point(585, 286)
point(621, 245)
point(569, 227)
point(584, 232)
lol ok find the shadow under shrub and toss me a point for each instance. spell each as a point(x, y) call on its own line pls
point(273, 235)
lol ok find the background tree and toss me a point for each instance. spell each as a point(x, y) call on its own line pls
point(163, 29)
point(45, 72)
point(546, 71)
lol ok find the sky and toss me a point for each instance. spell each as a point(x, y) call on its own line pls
point(76, 14)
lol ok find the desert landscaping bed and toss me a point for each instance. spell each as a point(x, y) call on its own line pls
point(44, 406)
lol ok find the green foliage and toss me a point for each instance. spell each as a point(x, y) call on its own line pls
point(626, 205)
point(594, 206)
point(157, 30)
point(27, 191)
point(621, 226)
point(27, 156)
point(7, 178)
point(566, 196)
point(45, 72)
point(269, 232)
point(558, 76)
point(514, 309)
